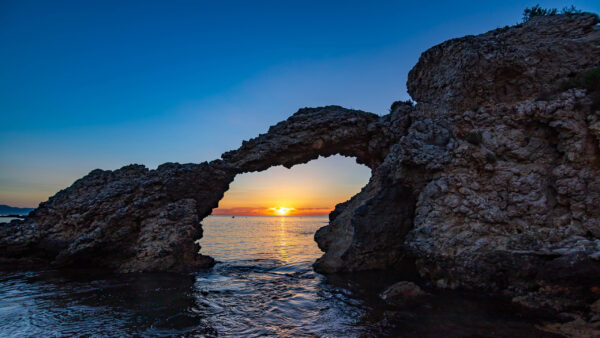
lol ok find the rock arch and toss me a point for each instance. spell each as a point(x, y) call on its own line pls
point(135, 219)
point(314, 132)
point(491, 182)
point(355, 239)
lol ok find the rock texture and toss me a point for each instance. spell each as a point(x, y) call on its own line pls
point(514, 207)
point(497, 178)
point(491, 182)
point(495, 183)
point(504, 65)
point(131, 219)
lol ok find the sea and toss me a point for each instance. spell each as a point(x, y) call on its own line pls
point(262, 285)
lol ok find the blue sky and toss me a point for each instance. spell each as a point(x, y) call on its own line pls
point(101, 84)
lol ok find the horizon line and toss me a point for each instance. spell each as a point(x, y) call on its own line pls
point(221, 215)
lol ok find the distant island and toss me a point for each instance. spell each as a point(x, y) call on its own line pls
point(8, 211)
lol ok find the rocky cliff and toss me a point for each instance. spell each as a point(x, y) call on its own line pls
point(490, 182)
point(495, 183)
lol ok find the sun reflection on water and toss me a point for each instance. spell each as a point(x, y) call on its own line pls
point(283, 241)
point(285, 238)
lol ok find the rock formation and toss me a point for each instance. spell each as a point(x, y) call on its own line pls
point(495, 184)
point(131, 219)
point(505, 65)
point(314, 132)
point(491, 182)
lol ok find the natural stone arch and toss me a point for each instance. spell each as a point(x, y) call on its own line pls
point(135, 219)
point(489, 178)
point(349, 240)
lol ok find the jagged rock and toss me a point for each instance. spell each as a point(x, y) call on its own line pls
point(131, 219)
point(516, 212)
point(366, 232)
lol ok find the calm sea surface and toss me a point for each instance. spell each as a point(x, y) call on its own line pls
point(263, 285)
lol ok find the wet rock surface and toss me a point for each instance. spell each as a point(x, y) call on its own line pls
point(490, 183)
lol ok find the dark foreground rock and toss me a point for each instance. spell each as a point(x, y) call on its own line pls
point(491, 182)
point(403, 293)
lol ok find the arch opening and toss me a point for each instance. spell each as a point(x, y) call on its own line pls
point(275, 213)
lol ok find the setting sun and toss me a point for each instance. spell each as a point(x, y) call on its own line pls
point(310, 189)
point(281, 211)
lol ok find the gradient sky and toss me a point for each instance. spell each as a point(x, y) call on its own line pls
point(102, 84)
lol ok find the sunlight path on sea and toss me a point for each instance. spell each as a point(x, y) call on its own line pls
point(264, 283)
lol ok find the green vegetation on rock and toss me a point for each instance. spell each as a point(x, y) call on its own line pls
point(537, 10)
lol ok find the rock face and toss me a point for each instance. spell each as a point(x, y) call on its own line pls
point(514, 207)
point(495, 184)
point(491, 182)
point(506, 64)
point(131, 219)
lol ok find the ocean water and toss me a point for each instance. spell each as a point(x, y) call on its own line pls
point(263, 285)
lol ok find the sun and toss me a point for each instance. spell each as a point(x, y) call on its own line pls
point(281, 211)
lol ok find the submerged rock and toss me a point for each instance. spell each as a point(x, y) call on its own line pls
point(403, 293)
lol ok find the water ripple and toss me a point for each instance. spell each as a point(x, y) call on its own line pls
point(263, 285)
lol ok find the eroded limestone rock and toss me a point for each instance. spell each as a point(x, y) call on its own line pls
point(495, 183)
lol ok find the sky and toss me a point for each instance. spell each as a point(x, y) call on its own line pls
point(102, 84)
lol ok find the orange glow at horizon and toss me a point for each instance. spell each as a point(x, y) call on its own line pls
point(264, 211)
point(311, 189)
point(282, 211)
